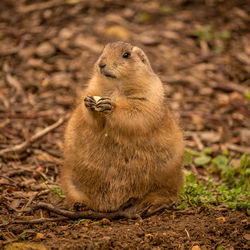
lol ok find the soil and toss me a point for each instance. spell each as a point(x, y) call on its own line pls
point(201, 51)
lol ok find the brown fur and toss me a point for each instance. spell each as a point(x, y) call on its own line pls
point(133, 151)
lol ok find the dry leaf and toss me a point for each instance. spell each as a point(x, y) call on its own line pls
point(221, 219)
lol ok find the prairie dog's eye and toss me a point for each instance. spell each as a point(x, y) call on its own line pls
point(126, 55)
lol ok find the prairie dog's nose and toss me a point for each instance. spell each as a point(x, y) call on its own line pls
point(102, 65)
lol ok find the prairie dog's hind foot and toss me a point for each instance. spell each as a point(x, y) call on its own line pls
point(78, 206)
point(155, 202)
point(128, 204)
point(155, 209)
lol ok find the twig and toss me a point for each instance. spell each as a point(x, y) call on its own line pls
point(31, 199)
point(18, 172)
point(40, 220)
point(97, 215)
point(196, 139)
point(13, 82)
point(187, 233)
point(187, 113)
point(194, 170)
point(195, 62)
point(44, 5)
point(15, 184)
point(8, 131)
point(237, 148)
point(84, 214)
point(230, 87)
point(17, 149)
point(8, 52)
point(24, 116)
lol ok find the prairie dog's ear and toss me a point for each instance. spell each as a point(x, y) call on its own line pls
point(142, 56)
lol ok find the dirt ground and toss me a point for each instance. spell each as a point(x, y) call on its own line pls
point(201, 51)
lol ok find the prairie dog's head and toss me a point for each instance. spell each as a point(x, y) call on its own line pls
point(122, 61)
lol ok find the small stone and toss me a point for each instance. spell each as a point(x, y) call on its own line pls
point(198, 121)
point(65, 33)
point(39, 236)
point(246, 236)
point(26, 52)
point(206, 91)
point(45, 49)
point(236, 96)
point(223, 99)
point(128, 13)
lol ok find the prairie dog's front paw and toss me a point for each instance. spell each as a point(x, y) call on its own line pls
point(104, 105)
point(98, 104)
point(90, 102)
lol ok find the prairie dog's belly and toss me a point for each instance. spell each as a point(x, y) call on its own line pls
point(113, 172)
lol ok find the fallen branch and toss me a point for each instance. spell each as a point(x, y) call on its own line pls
point(8, 52)
point(45, 5)
point(187, 113)
point(230, 87)
point(40, 220)
point(25, 116)
point(240, 149)
point(18, 149)
point(84, 214)
point(199, 60)
point(89, 214)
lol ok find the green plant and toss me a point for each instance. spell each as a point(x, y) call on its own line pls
point(216, 39)
point(166, 9)
point(247, 95)
point(226, 184)
point(204, 33)
point(80, 221)
point(222, 35)
point(144, 17)
point(195, 193)
point(201, 158)
point(56, 191)
point(23, 237)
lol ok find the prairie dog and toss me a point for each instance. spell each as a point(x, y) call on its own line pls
point(122, 142)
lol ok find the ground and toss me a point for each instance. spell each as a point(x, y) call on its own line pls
point(200, 50)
